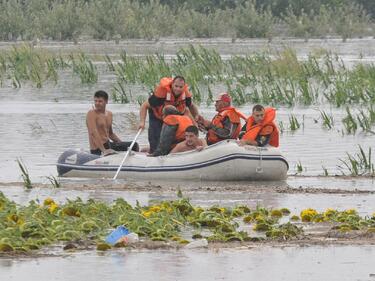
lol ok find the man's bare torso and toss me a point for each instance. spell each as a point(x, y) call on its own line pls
point(101, 122)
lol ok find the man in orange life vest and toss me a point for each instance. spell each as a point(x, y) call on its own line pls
point(260, 128)
point(226, 124)
point(173, 130)
point(169, 92)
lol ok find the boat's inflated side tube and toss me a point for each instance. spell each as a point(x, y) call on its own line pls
point(73, 157)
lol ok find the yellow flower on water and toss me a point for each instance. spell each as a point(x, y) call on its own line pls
point(165, 205)
point(146, 214)
point(276, 214)
point(259, 218)
point(307, 215)
point(48, 201)
point(329, 212)
point(350, 212)
point(12, 218)
point(155, 209)
point(52, 207)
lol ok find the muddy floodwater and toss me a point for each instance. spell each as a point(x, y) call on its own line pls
point(266, 263)
point(37, 125)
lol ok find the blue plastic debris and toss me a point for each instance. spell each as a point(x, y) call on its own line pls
point(115, 235)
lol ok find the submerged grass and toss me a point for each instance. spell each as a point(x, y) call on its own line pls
point(359, 164)
point(265, 77)
point(25, 174)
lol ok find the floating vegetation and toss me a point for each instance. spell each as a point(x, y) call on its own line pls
point(31, 227)
point(25, 174)
point(359, 164)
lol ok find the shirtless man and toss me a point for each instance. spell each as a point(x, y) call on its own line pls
point(192, 141)
point(99, 125)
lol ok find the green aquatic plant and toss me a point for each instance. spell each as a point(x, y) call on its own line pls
point(84, 67)
point(299, 167)
point(294, 124)
point(42, 224)
point(25, 174)
point(327, 120)
point(358, 164)
point(54, 181)
point(350, 122)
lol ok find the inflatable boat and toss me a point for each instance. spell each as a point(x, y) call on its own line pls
point(224, 161)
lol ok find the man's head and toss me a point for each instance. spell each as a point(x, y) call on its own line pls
point(100, 100)
point(223, 100)
point(170, 110)
point(258, 113)
point(178, 85)
point(191, 135)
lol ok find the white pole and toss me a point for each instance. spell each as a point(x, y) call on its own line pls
point(127, 153)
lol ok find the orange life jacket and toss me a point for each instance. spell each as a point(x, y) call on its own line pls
point(234, 116)
point(182, 121)
point(164, 91)
point(266, 127)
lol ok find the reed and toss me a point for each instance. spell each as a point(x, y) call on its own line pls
point(358, 164)
point(349, 122)
point(54, 181)
point(299, 167)
point(24, 174)
point(83, 66)
point(294, 124)
point(327, 120)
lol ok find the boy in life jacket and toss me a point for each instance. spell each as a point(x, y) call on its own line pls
point(226, 124)
point(170, 91)
point(260, 128)
point(173, 130)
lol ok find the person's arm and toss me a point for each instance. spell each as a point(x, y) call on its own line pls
point(193, 110)
point(203, 124)
point(263, 140)
point(93, 132)
point(188, 113)
point(201, 147)
point(243, 131)
point(264, 136)
point(142, 114)
point(204, 142)
point(178, 148)
point(227, 131)
point(112, 135)
point(247, 142)
point(167, 137)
